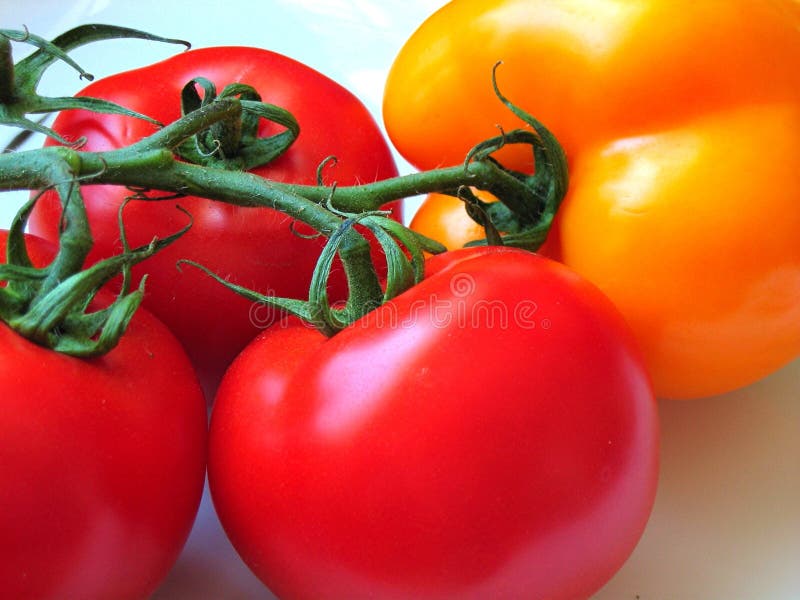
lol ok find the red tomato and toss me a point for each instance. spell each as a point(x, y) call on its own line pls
point(490, 433)
point(256, 248)
point(102, 463)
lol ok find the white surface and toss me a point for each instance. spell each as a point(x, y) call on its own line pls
point(726, 525)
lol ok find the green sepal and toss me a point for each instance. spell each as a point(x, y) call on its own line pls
point(527, 203)
point(233, 143)
point(325, 318)
point(413, 243)
point(108, 326)
point(399, 273)
point(37, 63)
point(29, 78)
point(317, 310)
point(18, 83)
point(479, 212)
point(54, 310)
point(21, 277)
point(15, 273)
point(16, 249)
point(298, 308)
point(12, 299)
point(403, 250)
point(59, 319)
point(256, 151)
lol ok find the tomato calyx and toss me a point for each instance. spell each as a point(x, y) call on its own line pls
point(52, 305)
point(403, 249)
point(233, 142)
point(18, 82)
point(522, 224)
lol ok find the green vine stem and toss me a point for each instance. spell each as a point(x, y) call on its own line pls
point(528, 200)
point(218, 133)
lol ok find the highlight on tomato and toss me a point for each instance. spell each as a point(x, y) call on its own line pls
point(259, 248)
point(489, 433)
point(679, 123)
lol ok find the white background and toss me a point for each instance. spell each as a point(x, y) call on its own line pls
point(726, 524)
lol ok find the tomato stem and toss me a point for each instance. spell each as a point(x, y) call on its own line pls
point(232, 142)
point(6, 71)
point(151, 164)
point(218, 142)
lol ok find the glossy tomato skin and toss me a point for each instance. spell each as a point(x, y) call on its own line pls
point(444, 219)
point(436, 450)
point(256, 248)
point(102, 463)
point(586, 69)
point(683, 178)
point(718, 306)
